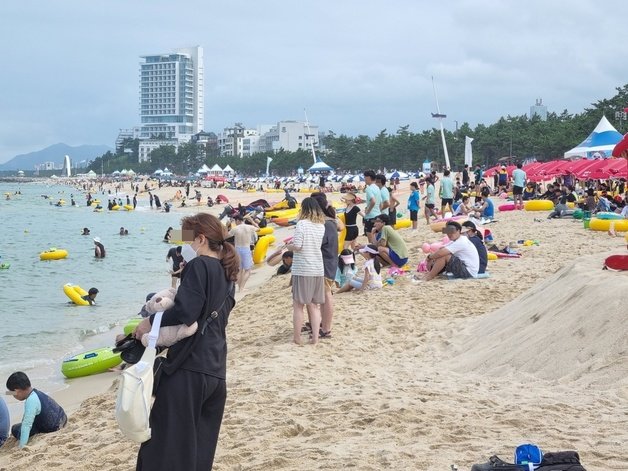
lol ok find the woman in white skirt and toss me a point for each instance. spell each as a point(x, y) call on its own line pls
point(308, 276)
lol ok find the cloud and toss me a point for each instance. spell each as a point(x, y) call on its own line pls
point(71, 69)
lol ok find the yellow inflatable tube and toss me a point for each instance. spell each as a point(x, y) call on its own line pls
point(75, 293)
point(259, 253)
point(538, 205)
point(115, 207)
point(342, 234)
point(262, 231)
point(403, 224)
point(128, 207)
point(620, 225)
point(283, 213)
point(53, 254)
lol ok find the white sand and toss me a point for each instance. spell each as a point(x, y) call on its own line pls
point(415, 376)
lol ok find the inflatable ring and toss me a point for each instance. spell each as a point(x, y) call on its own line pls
point(259, 252)
point(608, 215)
point(620, 225)
point(403, 224)
point(282, 213)
point(75, 293)
point(538, 205)
point(128, 207)
point(115, 207)
point(53, 254)
point(90, 363)
point(506, 207)
point(262, 231)
point(132, 324)
point(5, 266)
point(438, 226)
point(492, 256)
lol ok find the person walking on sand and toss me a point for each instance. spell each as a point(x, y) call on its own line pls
point(308, 272)
point(446, 192)
point(430, 199)
point(243, 236)
point(413, 204)
point(373, 202)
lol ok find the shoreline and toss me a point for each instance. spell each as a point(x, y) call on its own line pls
point(413, 377)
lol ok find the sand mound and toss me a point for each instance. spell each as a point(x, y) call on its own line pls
point(572, 326)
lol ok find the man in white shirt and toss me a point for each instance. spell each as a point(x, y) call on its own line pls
point(459, 257)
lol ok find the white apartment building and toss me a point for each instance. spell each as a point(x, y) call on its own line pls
point(287, 135)
point(171, 97)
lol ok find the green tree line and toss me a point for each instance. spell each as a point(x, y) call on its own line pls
point(518, 136)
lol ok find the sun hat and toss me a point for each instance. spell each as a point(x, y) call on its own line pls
point(369, 250)
point(348, 197)
point(348, 259)
point(97, 239)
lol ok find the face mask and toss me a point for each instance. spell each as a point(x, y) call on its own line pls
point(188, 253)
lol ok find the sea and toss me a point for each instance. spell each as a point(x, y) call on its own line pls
point(39, 327)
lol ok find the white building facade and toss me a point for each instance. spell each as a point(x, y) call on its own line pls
point(172, 95)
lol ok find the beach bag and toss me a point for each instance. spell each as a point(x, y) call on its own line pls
point(561, 461)
point(135, 391)
point(497, 464)
point(528, 454)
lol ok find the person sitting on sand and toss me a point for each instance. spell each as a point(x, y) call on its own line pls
point(391, 246)
point(41, 413)
point(346, 268)
point(372, 278)
point(529, 192)
point(485, 208)
point(464, 207)
point(471, 232)
point(459, 257)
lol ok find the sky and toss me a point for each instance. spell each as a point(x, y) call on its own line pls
point(70, 69)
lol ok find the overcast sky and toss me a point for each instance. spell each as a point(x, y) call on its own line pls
point(70, 69)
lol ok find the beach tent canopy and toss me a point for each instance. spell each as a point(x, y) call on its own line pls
point(130, 172)
point(158, 172)
point(227, 169)
point(621, 147)
point(91, 174)
point(216, 168)
point(599, 144)
point(203, 169)
point(116, 172)
point(166, 172)
point(319, 166)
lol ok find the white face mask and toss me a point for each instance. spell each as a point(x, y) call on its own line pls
point(188, 253)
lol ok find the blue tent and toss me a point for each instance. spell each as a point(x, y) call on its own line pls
point(599, 143)
point(319, 166)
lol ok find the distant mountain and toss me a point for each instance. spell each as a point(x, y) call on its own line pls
point(54, 153)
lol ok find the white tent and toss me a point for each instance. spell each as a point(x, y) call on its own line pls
point(203, 169)
point(216, 169)
point(319, 166)
point(599, 143)
point(227, 169)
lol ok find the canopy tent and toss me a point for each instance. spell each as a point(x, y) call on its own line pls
point(621, 147)
point(203, 169)
point(166, 172)
point(216, 169)
point(91, 174)
point(227, 169)
point(319, 166)
point(599, 144)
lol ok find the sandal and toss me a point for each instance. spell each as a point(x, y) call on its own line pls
point(306, 328)
point(324, 335)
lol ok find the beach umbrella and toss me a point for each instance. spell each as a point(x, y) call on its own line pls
point(319, 166)
point(621, 147)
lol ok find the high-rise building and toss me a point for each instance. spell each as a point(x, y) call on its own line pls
point(171, 95)
point(539, 109)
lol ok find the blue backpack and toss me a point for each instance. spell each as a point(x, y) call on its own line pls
point(528, 454)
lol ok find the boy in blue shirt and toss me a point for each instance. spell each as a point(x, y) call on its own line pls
point(41, 413)
point(413, 204)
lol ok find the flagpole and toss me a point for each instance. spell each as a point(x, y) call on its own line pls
point(442, 129)
point(309, 133)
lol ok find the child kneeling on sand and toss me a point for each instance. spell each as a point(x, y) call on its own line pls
point(372, 278)
point(41, 413)
point(346, 268)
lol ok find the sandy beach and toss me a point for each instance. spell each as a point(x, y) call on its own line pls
point(416, 376)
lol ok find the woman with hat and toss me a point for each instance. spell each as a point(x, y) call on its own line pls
point(351, 216)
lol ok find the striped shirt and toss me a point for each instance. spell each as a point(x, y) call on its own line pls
point(309, 260)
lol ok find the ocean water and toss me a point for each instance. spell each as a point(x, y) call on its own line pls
point(38, 327)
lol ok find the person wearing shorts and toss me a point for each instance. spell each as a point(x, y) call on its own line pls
point(351, 215)
point(459, 257)
point(391, 246)
point(413, 204)
point(519, 177)
point(243, 235)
